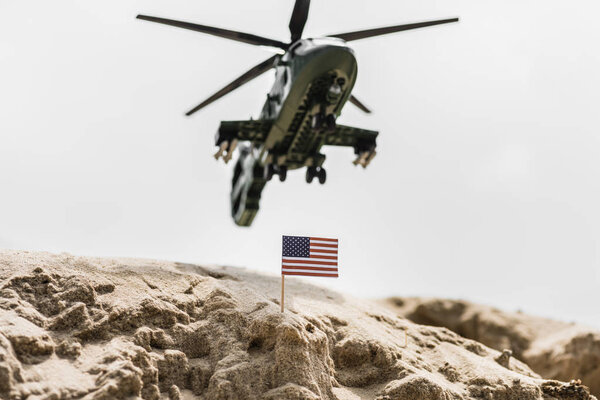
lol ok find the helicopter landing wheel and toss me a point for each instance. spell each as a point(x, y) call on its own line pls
point(322, 175)
point(311, 173)
point(282, 173)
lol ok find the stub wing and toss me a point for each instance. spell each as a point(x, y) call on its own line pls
point(230, 133)
point(251, 130)
point(362, 140)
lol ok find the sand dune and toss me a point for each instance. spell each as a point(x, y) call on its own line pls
point(553, 349)
point(91, 328)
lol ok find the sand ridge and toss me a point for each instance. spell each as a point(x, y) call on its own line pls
point(554, 349)
point(97, 328)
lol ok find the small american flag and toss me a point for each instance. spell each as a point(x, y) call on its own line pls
point(309, 256)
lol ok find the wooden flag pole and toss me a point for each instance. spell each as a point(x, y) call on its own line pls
point(282, 290)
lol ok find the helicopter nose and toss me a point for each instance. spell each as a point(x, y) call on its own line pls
point(342, 56)
point(337, 49)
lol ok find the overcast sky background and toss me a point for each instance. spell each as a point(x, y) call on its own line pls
point(486, 184)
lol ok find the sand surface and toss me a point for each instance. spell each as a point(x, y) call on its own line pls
point(553, 349)
point(93, 328)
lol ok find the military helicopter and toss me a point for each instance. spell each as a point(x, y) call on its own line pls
point(314, 78)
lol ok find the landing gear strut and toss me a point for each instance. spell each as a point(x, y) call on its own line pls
point(282, 173)
point(317, 121)
point(330, 123)
point(316, 172)
point(269, 171)
point(322, 121)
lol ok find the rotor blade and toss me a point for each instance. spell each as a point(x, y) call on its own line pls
point(389, 29)
point(246, 77)
point(359, 104)
point(224, 33)
point(299, 17)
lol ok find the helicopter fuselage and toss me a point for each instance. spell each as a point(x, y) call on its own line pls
point(313, 80)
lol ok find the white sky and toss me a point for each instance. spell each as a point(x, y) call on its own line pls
point(486, 185)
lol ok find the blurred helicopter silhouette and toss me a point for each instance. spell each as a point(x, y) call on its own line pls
point(313, 81)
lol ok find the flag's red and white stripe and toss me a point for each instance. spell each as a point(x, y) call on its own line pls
point(323, 260)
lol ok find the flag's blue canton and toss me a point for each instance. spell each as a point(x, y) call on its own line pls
point(296, 246)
